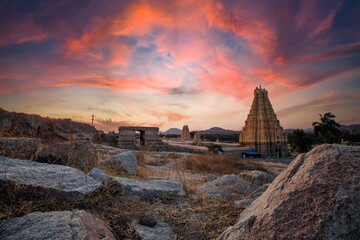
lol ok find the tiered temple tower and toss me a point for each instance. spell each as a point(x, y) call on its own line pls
point(185, 133)
point(262, 131)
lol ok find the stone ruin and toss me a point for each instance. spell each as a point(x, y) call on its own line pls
point(262, 131)
point(185, 133)
point(137, 137)
point(197, 139)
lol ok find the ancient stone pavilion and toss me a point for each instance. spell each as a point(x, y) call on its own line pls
point(185, 133)
point(138, 137)
point(262, 131)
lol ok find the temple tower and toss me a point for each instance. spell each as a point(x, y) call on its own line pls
point(185, 133)
point(262, 131)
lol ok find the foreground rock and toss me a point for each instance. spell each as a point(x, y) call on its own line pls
point(316, 197)
point(160, 231)
point(56, 225)
point(150, 189)
point(78, 154)
point(56, 180)
point(22, 148)
point(227, 185)
point(125, 161)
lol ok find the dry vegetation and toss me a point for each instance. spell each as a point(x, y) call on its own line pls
point(191, 217)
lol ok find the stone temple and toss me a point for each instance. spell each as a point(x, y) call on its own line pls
point(262, 131)
point(185, 133)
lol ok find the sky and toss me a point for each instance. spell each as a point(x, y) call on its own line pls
point(171, 63)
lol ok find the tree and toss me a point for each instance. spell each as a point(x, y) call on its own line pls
point(327, 128)
point(300, 141)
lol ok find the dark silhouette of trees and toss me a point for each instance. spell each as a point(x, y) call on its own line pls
point(300, 141)
point(327, 129)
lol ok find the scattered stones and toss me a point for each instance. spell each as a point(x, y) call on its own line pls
point(125, 161)
point(78, 154)
point(99, 175)
point(160, 231)
point(225, 186)
point(150, 189)
point(49, 179)
point(56, 225)
point(147, 220)
point(21, 148)
point(316, 197)
point(256, 177)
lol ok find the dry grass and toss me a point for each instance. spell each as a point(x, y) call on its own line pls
point(191, 217)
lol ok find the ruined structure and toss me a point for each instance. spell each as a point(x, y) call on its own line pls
point(262, 131)
point(135, 137)
point(185, 133)
point(197, 139)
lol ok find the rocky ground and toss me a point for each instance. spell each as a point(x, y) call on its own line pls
point(92, 191)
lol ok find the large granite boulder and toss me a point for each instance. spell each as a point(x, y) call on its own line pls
point(78, 154)
point(316, 197)
point(150, 189)
point(125, 161)
point(56, 225)
point(22, 148)
point(226, 186)
point(55, 180)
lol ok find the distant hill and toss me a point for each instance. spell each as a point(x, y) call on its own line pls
point(352, 129)
point(218, 130)
point(173, 131)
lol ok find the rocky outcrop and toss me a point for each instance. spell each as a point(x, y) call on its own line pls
point(126, 162)
point(22, 148)
point(57, 181)
point(78, 154)
point(150, 189)
point(226, 186)
point(316, 197)
point(185, 133)
point(56, 225)
point(49, 130)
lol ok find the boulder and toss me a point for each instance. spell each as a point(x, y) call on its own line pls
point(49, 179)
point(125, 161)
point(99, 175)
point(78, 154)
point(150, 189)
point(56, 225)
point(160, 231)
point(256, 177)
point(227, 185)
point(316, 197)
point(22, 148)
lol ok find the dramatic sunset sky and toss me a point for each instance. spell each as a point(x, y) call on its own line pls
point(170, 63)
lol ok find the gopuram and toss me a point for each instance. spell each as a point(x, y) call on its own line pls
point(262, 131)
point(136, 137)
point(185, 133)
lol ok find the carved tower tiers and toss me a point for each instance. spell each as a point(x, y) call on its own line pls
point(262, 131)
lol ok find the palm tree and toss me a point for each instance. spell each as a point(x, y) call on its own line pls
point(327, 128)
point(300, 141)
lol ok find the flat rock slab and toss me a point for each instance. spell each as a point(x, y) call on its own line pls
point(22, 148)
point(150, 189)
point(226, 186)
point(62, 180)
point(126, 162)
point(316, 197)
point(56, 225)
point(161, 231)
